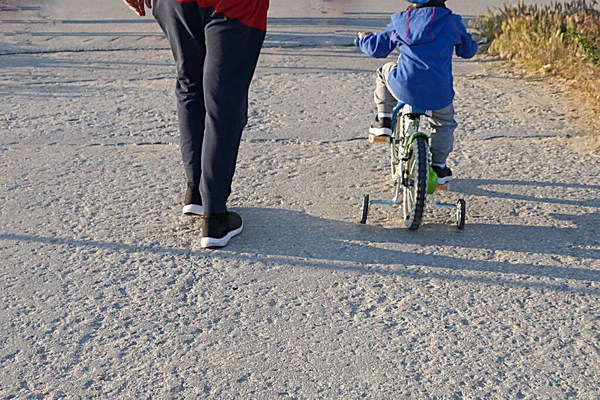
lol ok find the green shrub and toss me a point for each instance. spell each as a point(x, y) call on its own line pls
point(562, 39)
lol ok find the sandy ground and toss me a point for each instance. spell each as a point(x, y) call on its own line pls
point(105, 292)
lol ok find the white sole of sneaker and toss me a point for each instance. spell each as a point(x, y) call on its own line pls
point(193, 209)
point(209, 243)
point(444, 180)
point(381, 131)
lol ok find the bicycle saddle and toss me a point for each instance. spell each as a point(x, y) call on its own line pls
point(410, 110)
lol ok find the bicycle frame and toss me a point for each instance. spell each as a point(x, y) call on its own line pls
point(405, 129)
point(404, 137)
point(401, 139)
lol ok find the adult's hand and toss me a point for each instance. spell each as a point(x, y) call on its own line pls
point(138, 6)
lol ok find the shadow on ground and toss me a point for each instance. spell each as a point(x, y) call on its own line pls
point(495, 188)
point(300, 240)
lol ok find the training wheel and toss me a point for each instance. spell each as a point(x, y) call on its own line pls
point(461, 213)
point(365, 209)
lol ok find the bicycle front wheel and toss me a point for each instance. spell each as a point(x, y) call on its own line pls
point(415, 186)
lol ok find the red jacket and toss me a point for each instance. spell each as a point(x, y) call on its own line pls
point(252, 13)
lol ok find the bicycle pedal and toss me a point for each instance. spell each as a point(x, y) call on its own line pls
point(442, 187)
point(379, 139)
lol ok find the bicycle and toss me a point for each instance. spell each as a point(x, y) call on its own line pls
point(411, 169)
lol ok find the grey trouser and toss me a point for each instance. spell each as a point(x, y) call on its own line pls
point(442, 123)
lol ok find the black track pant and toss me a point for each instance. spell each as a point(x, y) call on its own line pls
point(216, 57)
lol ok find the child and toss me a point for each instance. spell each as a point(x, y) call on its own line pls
point(428, 34)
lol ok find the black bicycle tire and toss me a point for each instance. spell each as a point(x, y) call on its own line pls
point(418, 156)
point(461, 214)
point(365, 210)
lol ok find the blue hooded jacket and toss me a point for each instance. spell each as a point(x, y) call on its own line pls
point(427, 37)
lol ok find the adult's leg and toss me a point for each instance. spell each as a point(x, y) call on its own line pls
point(442, 138)
point(183, 24)
point(231, 58)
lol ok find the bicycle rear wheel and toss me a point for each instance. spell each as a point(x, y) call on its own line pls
point(396, 148)
point(415, 185)
point(395, 159)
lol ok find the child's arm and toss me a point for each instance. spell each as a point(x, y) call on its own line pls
point(467, 46)
point(378, 45)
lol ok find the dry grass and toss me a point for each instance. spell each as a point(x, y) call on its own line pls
point(562, 40)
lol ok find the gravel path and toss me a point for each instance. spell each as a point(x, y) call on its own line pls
point(105, 292)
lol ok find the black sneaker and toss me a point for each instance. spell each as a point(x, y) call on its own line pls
point(381, 127)
point(192, 204)
point(218, 229)
point(444, 174)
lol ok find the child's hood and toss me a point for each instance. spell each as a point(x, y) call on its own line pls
point(420, 25)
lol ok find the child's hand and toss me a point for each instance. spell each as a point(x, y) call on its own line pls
point(361, 34)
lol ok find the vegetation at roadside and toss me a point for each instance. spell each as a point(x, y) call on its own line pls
point(562, 39)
